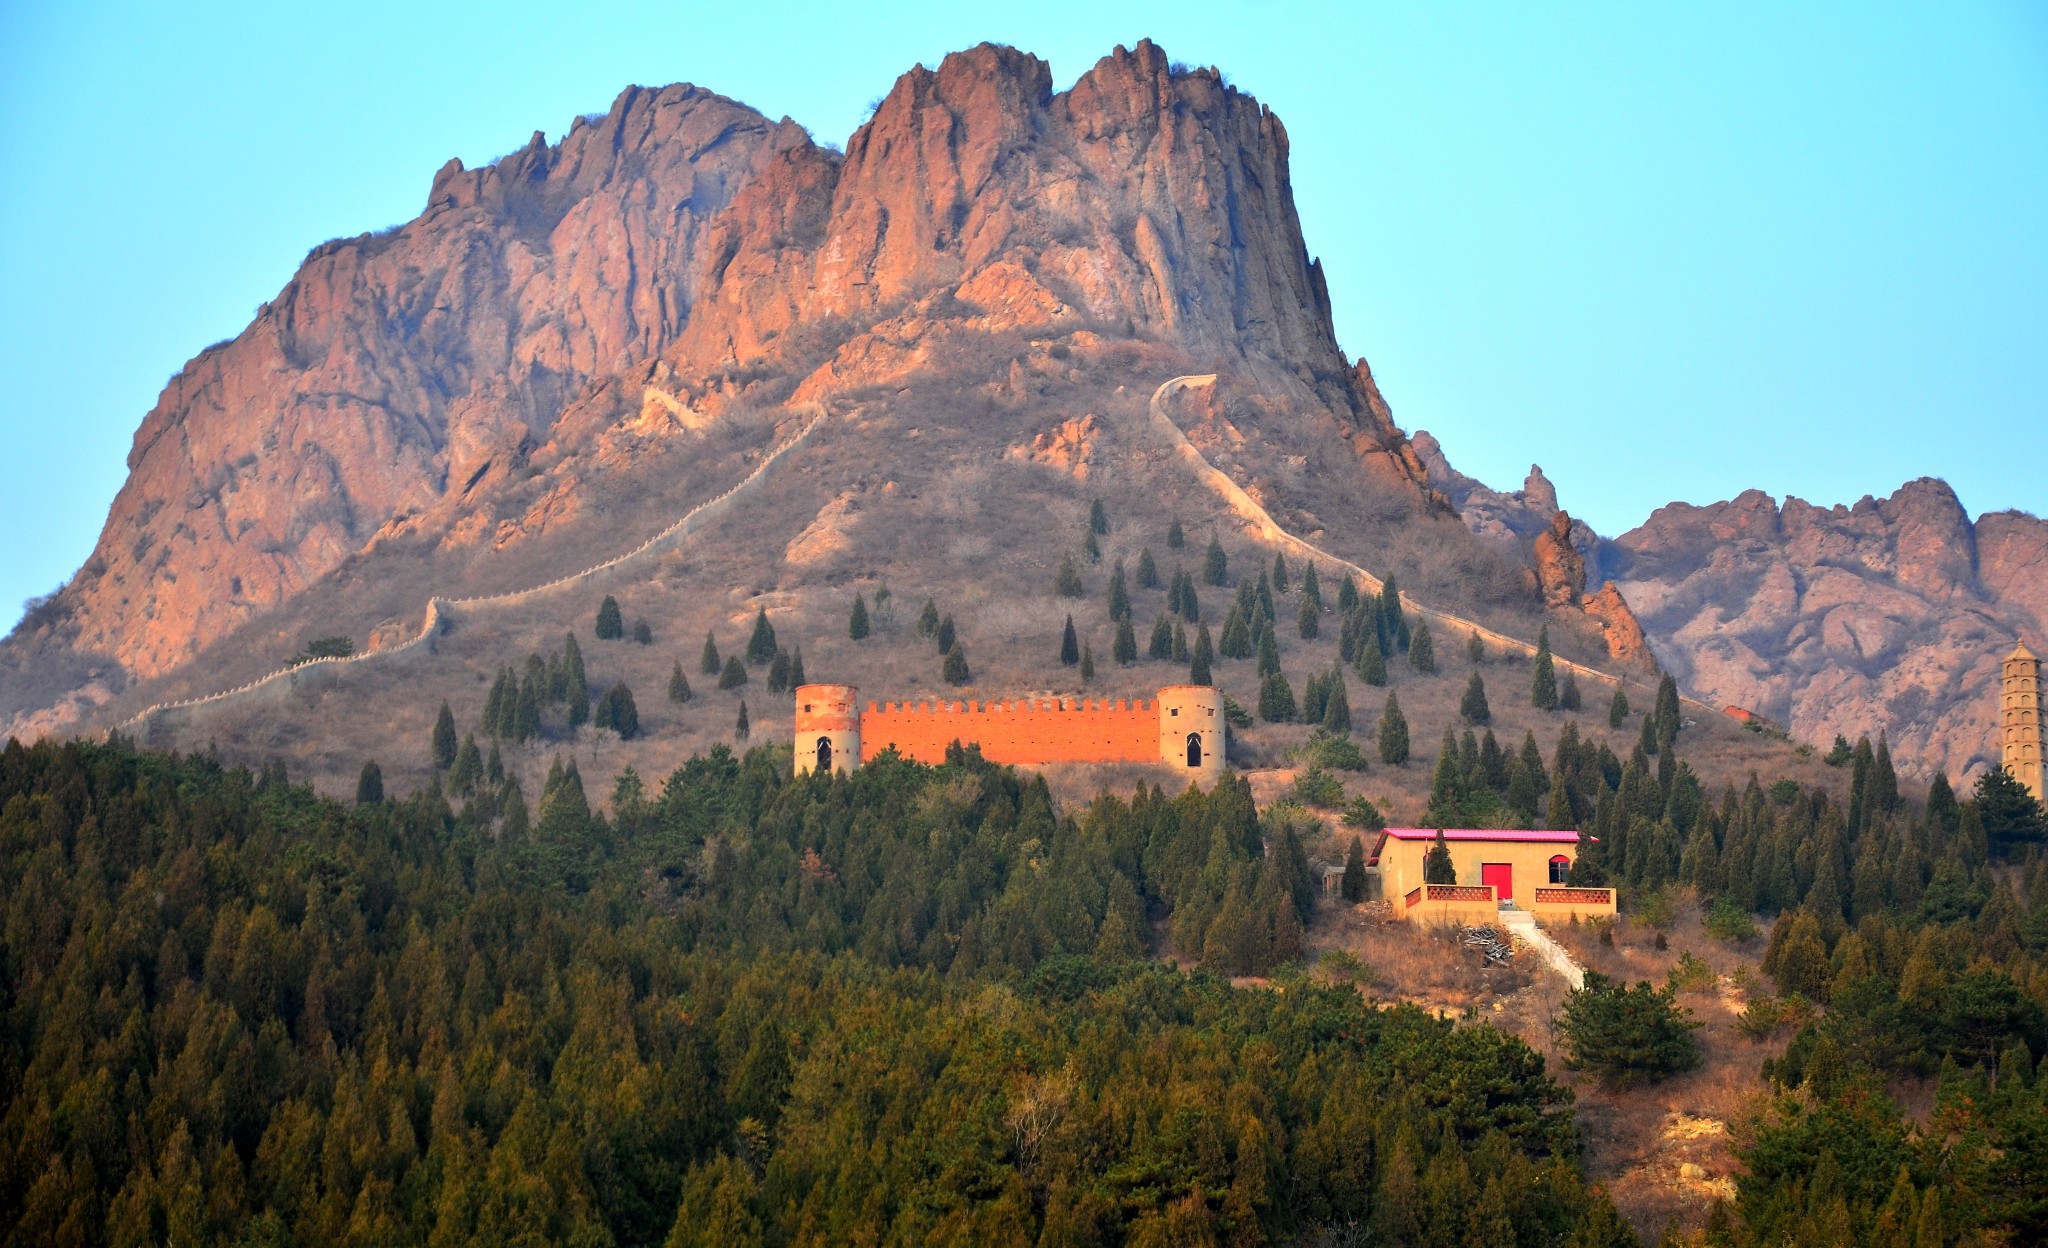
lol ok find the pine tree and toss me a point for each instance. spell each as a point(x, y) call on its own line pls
point(761, 646)
point(444, 742)
point(1668, 721)
point(954, 671)
point(1236, 642)
point(1437, 865)
point(1279, 572)
point(527, 724)
point(1175, 536)
point(1315, 698)
point(1269, 654)
point(1180, 642)
point(796, 669)
point(1124, 649)
point(733, 675)
point(1202, 658)
point(467, 768)
point(741, 729)
point(928, 619)
point(1276, 699)
point(494, 766)
point(1215, 565)
point(1475, 649)
point(678, 685)
point(1265, 592)
point(1066, 583)
point(1393, 733)
point(1422, 649)
point(778, 672)
point(1353, 889)
point(1312, 586)
point(1617, 710)
point(1371, 665)
point(1119, 593)
point(1473, 707)
point(1148, 571)
point(370, 785)
point(710, 663)
point(1337, 711)
point(643, 632)
point(1098, 519)
point(1347, 595)
point(1310, 622)
point(1087, 662)
point(494, 705)
point(857, 625)
point(575, 683)
point(1568, 698)
point(1160, 646)
point(946, 635)
point(610, 625)
point(1543, 688)
point(1070, 644)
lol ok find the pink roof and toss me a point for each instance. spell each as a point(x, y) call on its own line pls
point(1485, 834)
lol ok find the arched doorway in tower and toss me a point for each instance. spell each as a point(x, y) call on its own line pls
point(824, 753)
point(1194, 749)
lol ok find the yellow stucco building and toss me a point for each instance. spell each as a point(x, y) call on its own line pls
point(1494, 865)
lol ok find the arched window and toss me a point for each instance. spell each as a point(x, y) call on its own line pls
point(1560, 868)
point(1194, 749)
point(824, 753)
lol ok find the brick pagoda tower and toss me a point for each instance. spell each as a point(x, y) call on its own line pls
point(2019, 699)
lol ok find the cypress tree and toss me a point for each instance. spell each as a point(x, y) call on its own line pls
point(1199, 661)
point(678, 685)
point(575, 684)
point(928, 619)
point(1276, 699)
point(1347, 595)
point(1310, 622)
point(468, 767)
point(444, 743)
point(1311, 586)
point(1543, 688)
point(1066, 583)
point(1269, 654)
point(494, 766)
point(1315, 697)
point(1390, 604)
point(617, 712)
point(1667, 707)
point(1371, 665)
point(610, 625)
point(1180, 642)
point(1859, 786)
point(1353, 889)
point(1475, 649)
point(857, 624)
point(1648, 742)
point(1091, 548)
point(1148, 571)
point(1176, 537)
point(1215, 565)
point(1437, 865)
point(1070, 644)
point(1119, 593)
point(528, 725)
point(494, 706)
point(741, 729)
point(1617, 710)
point(1236, 642)
point(1943, 814)
point(954, 671)
point(1098, 519)
point(1087, 662)
point(1568, 698)
point(1160, 647)
point(1473, 706)
point(761, 646)
point(946, 634)
point(710, 663)
point(1125, 648)
point(796, 669)
point(1337, 711)
point(1279, 572)
point(1393, 733)
point(778, 672)
point(1266, 597)
point(370, 784)
point(1422, 649)
point(643, 632)
point(1884, 781)
point(733, 675)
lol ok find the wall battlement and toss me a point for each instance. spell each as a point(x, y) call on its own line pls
point(1181, 728)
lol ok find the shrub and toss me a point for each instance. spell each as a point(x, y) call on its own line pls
point(1729, 921)
point(1361, 813)
point(1629, 1034)
point(610, 624)
point(324, 648)
point(1316, 787)
point(1329, 749)
point(643, 632)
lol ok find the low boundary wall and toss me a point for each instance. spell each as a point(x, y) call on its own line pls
point(1029, 732)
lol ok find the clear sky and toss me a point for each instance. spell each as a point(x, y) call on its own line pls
point(1667, 251)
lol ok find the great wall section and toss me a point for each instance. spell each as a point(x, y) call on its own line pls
point(438, 614)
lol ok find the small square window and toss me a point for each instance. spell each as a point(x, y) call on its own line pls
point(1174, 711)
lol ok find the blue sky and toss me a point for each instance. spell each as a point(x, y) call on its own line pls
point(1669, 252)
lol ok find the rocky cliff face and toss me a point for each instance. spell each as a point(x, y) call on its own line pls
point(461, 382)
point(1893, 613)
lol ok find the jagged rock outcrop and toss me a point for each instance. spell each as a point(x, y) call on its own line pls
point(1560, 568)
point(1891, 614)
point(1502, 517)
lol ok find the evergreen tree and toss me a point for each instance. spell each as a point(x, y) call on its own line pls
point(1124, 649)
point(1215, 565)
point(946, 635)
point(761, 646)
point(1203, 656)
point(1568, 697)
point(1236, 642)
point(617, 712)
point(796, 669)
point(643, 632)
point(494, 766)
point(1276, 699)
point(857, 625)
point(710, 663)
point(1091, 548)
point(1475, 649)
point(955, 671)
point(1617, 710)
point(1160, 646)
point(1315, 697)
point(1279, 572)
point(2011, 818)
point(1310, 622)
point(1087, 662)
point(1353, 889)
point(444, 742)
point(1884, 781)
point(1437, 865)
point(1422, 649)
point(1337, 711)
point(1269, 654)
point(1119, 594)
point(1347, 595)
point(778, 672)
point(1070, 644)
point(741, 729)
point(1312, 586)
point(1265, 592)
point(678, 685)
point(1180, 642)
point(733, 675)
point(467, 769)
point(1943, 814)
point(928, 619)
point(1627, 1033)
point(1176, 537)
point(1189, 607)
point(575, 683)
point(1148, 571)
point(494, 704)
point(1543, 688)
point(1447, 784)
point(1667, 708)
point(1066, 583)
point(1473, 706)
point(1393, 733)
point(610, 624)
point(1098, 519)
point(370, 785)
point(1371, 665)
point(527, 724)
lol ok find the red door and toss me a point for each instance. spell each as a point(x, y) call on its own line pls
point(1501, 875)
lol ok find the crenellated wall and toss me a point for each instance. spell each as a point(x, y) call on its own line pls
point(1063, 730)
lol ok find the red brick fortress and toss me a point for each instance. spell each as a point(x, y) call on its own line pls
point(1182, 728)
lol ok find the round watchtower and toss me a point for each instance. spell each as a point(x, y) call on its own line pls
point(827, 728)
point(1191, 730)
